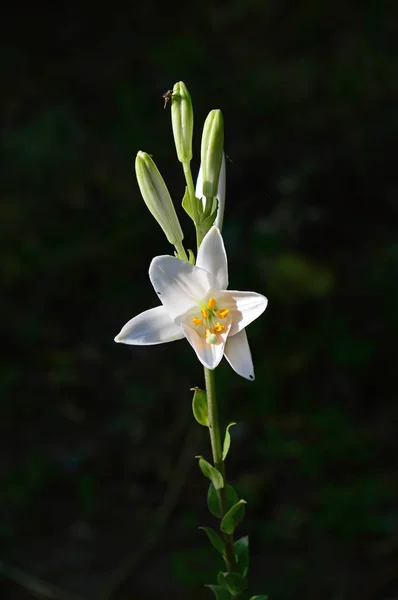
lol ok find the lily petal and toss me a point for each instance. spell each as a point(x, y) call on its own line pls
point(151, 327)
point(213, 258)
point(244, 307)
point(237, 352)
point(179, 285)
point(210, 355)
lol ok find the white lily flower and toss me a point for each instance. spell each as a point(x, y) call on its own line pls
point(197, 305)
point(220, 193)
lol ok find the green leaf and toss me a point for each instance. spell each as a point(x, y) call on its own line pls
point(209, 208)
point(220, 592)
point(215, 539)
point(233, 582)
point(233, 517)
point(213, 502)
point(187, 204)
point(227, 441)
point(241, 549)
point(199, 406)
point(259, 598)
point(207, 222)
point(211, 472)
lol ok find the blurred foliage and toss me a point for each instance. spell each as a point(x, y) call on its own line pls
point(90, 431)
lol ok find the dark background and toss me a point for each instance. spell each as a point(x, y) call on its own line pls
point(95, 436)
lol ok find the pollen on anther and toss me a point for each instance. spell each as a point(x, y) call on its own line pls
point(211, 303)
point(197, 321)
point(223, 312)
point(218, 327)
point(205, 313)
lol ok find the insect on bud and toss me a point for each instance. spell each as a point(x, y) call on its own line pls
point(182, 121)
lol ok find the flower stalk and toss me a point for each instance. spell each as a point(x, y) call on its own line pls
point(216, 448)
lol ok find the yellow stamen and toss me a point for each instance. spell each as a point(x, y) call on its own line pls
point(205, 313)
point(197, 321)
point(223, 312)
point(208, 333)
point(211, 303)
point(218, 327)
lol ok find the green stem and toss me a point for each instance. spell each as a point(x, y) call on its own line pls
point(191, 191)
point(181, 251)
point(215, 440)
point(214, 426)
point(191, 188)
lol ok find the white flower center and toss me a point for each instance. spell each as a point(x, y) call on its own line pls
point(210, 322)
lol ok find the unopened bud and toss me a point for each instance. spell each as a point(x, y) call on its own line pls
point(220, 193)
point(212, 152)
point(157, 198)
point(182, 121)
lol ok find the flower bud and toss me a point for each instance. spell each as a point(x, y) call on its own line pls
point(220, 193)
point(212, 152)
point(157, 198)
point(182, 121)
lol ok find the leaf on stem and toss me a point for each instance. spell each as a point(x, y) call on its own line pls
point(207, 222)
point(227, 441)
point(215, 539)
point(187, 205)
point(199, 406)
point(233, 582)
point(220, 592)
point(233, 517)
point(213, 502)
point(211, 472)
point(241, 549)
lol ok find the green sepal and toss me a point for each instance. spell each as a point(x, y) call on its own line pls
point(191, 257)
point(233, 582)
point(215, 539)
point(220, 592)
point(233, 517)
point(241, 550)
point(199, 406)
point(227, 441)
point(213, 501)
point(211, 472)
